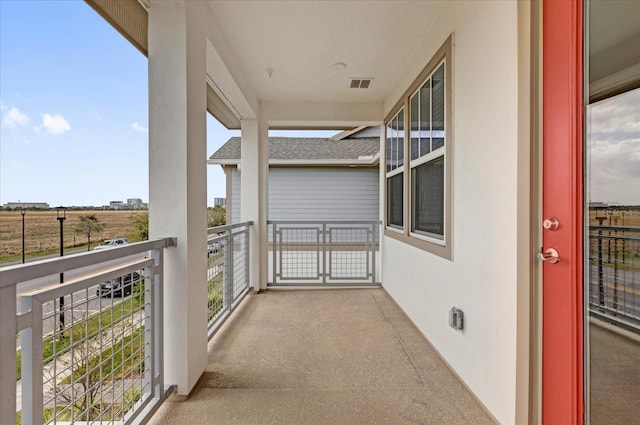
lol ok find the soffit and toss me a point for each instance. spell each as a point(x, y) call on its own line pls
point(614, 37)
point(301, 41)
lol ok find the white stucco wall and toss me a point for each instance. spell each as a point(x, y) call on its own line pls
point(482, 277)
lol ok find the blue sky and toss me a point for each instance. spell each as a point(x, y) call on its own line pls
point(74, 109)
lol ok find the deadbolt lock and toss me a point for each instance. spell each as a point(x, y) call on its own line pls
point(551, 223)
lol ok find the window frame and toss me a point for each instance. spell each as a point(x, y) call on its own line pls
point(432, 155)
point(423, 240)
point(398, 170)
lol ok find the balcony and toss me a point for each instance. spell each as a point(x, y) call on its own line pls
point(89, 342)
point(337, 355)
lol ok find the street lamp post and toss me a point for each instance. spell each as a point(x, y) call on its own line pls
point(22, 211)
point(61, 216)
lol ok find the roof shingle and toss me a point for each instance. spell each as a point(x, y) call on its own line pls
point(305, 148)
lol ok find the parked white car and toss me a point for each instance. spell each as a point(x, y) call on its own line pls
point(214, 246)
point(111, 243)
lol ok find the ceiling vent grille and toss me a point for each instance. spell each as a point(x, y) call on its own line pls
point(360, 83)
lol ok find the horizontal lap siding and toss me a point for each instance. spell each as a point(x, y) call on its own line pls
point(235, 196)
point(317, 194)
point(323, 194)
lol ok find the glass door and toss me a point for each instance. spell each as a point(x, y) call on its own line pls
point(612, 212)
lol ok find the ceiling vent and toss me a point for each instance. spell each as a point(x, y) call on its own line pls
point(360, 83)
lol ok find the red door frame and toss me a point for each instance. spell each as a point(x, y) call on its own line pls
point(562, 197)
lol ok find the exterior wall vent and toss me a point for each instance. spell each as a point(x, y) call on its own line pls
point(360, 83)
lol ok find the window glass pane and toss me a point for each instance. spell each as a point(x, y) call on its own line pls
point(438, 108)
point(415, 126)
point(394, 125)
point(389, 155)
point(428, 198)
point(395, 198)
point(401, 138)
point(425, 118)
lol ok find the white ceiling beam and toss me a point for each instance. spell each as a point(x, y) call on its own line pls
point(225, 71)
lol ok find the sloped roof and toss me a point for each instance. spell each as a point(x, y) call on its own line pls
point(305, 149)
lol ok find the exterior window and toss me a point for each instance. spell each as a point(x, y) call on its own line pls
point(395, 200)
point(427, 156)
point(395, 170)
point(418, 190)
point(428, 198)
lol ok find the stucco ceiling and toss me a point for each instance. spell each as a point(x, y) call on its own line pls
point(614, 36)
point(301, 41)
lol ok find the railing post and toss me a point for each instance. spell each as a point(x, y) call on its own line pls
point(158, 299)
point(277, 234)
point(373, 253)
point(150, 312)
point(8, 354)
point(32, 371)
point(615, 275)
point(247, 266)
point(324, 253)
point(227, 291)
point(600, 271)
point(275, 253)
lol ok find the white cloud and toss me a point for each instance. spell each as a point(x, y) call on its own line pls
point(138, 127)
point(55, 124)
point(2, 105)
point(613, 149)
point(15, 118)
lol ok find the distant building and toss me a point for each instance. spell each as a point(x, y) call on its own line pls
point(131, 204)
point(135, 203)
point(219, 202)
point(18, 205)
point(117, 205)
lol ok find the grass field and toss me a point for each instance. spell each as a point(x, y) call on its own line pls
point(42, 231)
point(615, 217)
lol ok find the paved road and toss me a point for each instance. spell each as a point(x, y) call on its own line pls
point(54, 279)
point(68, 251)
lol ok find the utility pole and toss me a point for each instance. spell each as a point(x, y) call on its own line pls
point(61, 216)
point(22, 211)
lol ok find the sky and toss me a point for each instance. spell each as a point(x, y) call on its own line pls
point(613, 150)
point(74, 109)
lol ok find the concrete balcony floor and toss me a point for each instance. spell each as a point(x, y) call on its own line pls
point(615, 375)
point(345, 356)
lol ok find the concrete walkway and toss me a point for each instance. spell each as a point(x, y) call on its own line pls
point(346, 356)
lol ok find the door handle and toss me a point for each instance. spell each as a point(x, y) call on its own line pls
point(549, 254)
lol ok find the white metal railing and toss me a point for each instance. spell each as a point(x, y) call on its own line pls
point(614, 275)
point(324, 252)
point(227, 271)
point(81, 354)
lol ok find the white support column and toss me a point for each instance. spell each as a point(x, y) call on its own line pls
point(254, 171)
point(177, 181)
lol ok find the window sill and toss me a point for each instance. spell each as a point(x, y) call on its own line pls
point(426, 238)
point(435, 247)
